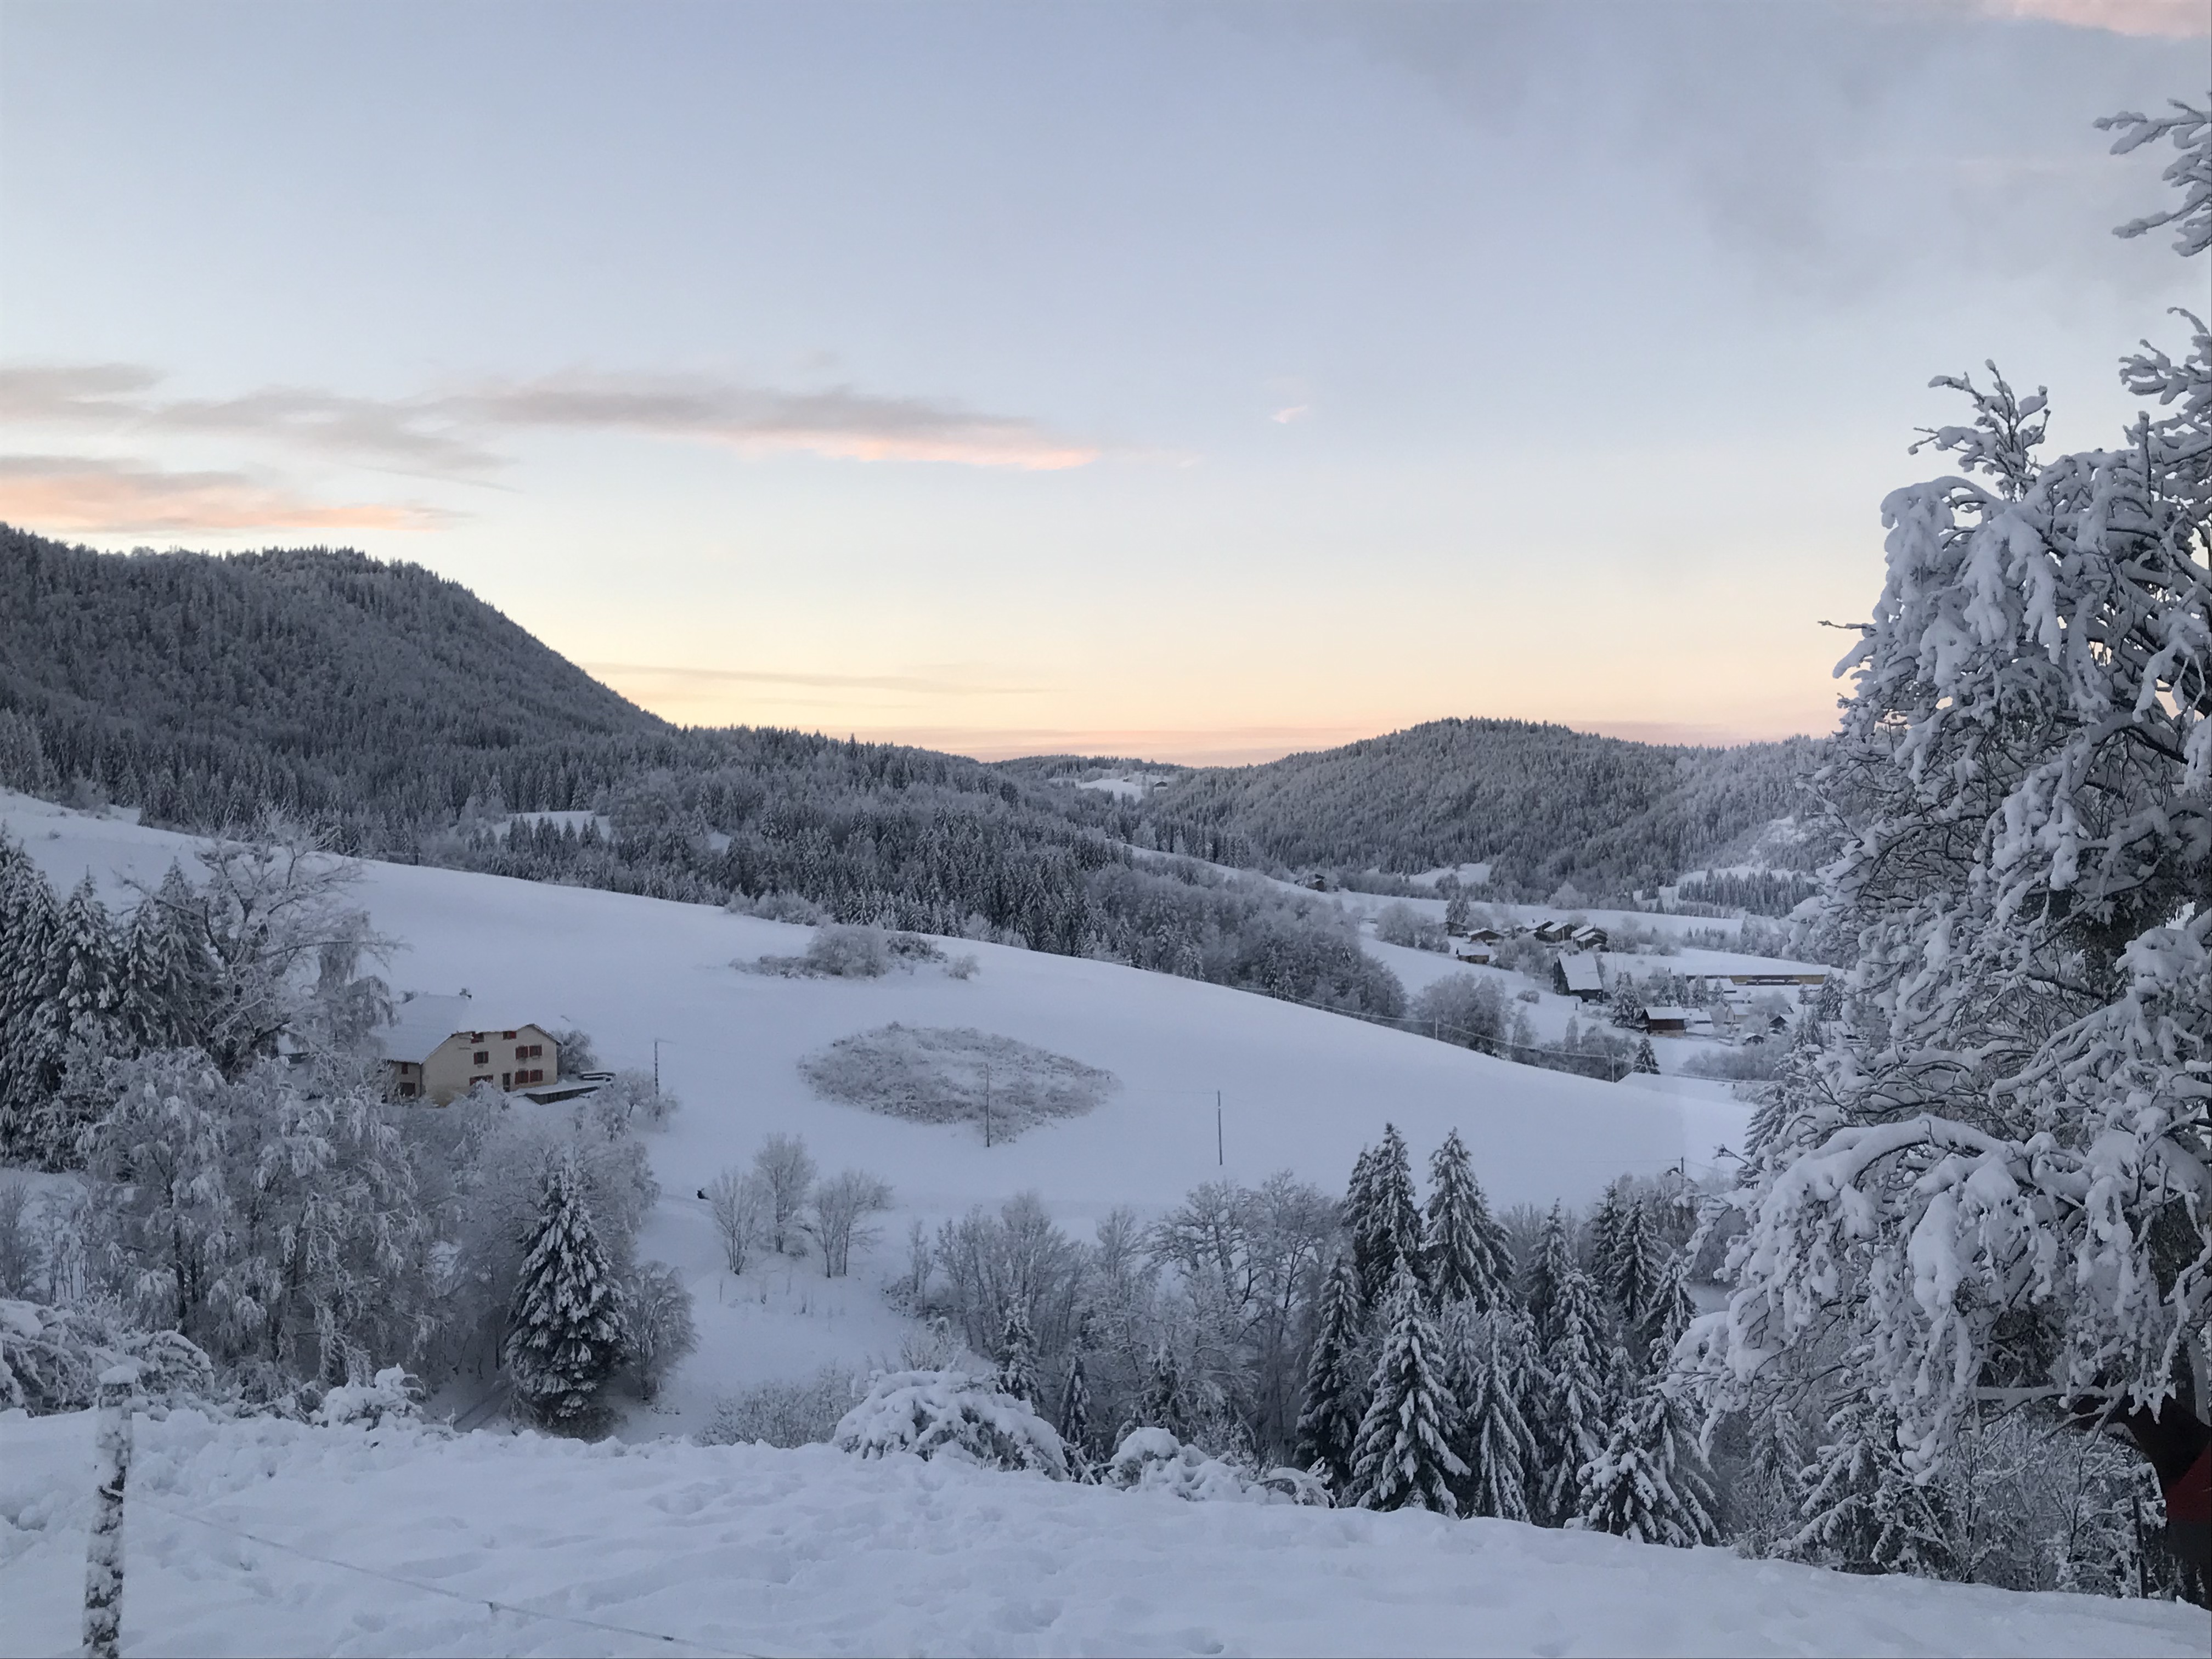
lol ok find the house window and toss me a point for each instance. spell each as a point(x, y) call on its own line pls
point(507, 1079)
point(407, 1090)
point(473, 1081)
point(508, 1035)
point(538, 1077)
point(481, 1057)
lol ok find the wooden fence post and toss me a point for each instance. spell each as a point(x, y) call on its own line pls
point(103, 1552)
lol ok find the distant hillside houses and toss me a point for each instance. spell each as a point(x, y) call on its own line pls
point(438, 1047)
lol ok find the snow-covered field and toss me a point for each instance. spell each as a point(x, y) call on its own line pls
point(1298, 1089)
point(745, 1550)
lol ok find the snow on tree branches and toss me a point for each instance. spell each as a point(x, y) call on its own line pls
point(1994, 1168)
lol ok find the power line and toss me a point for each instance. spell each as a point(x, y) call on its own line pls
point(138, 1499)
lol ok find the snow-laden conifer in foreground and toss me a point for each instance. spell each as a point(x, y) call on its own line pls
point(566, 1333)
point(1463, 1248)
point(1403, 1458)
point(1336, 1383)
point(1990, 1165)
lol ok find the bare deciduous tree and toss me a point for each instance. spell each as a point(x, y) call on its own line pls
point(841, 1204)
point(785, 1166)
point(741, 1206)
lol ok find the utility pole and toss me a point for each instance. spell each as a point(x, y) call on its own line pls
point(987, 1103)
point(657, 1041)
point(1220, 1154)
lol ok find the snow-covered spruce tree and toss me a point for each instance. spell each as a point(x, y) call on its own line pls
point(1490, 1371)
point(166, 991)
point(566, 1335)
point(1462, 1247)
point(1336, 1383)
point(1383, 1216)
point(1863, 1510)
point(1576, 1365)
point(1165, 1400)
point(1017, 1357)
point(28, 918)
point(1651, 1483)
point(1635, 1272)
point(1553, 1260)
point(1403, 1457)
point(1996, 1170)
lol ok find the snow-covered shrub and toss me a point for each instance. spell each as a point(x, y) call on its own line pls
point(658, 1308)
point(50, 1359)
point(392, 1394)
point(939, 1074)
point(1153, 1459)
point(631, 1099)
point(1401, 924)
point(907, 949)
point(1461, 1009)
point(802, 1413)
point(964, 966)
point(1759, 1063)
point(951, 1414)
point(848, 953)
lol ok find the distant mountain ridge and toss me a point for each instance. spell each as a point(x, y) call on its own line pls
point(395, 705)
point(1541, 803)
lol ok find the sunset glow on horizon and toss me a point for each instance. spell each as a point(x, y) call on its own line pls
point(1197, 383)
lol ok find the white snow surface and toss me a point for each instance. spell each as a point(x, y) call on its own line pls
point(1299, 1088)
point(749, 1550)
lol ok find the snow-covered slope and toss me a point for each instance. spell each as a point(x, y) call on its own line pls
point(1297, 1088)
point(674, 1548)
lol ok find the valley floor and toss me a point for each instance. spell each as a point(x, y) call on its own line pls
point(746, 1550)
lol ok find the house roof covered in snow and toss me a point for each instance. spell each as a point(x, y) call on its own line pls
point(1580, 974)
point(1678, 1015)
point(422, 1023)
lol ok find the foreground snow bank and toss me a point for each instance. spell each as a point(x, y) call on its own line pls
point(743, 1549)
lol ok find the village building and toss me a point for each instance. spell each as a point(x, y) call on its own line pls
point(1475, 949)
point(1579, 976)
point(438, 1047)
point(1677, 1022)
point(1590, 938)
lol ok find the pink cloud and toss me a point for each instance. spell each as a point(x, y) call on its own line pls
point(63, 493)
point(2172, 20)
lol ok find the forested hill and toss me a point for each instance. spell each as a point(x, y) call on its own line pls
point(408, 720)
point(1542, 804)
point(201, 688)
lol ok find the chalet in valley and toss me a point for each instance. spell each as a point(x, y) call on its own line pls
point(437, 1047)
point(1576, 975)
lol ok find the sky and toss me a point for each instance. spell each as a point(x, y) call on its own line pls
point(1195, 382)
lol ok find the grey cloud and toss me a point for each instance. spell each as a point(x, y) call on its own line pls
point(1821, 138)
point(453, 433)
